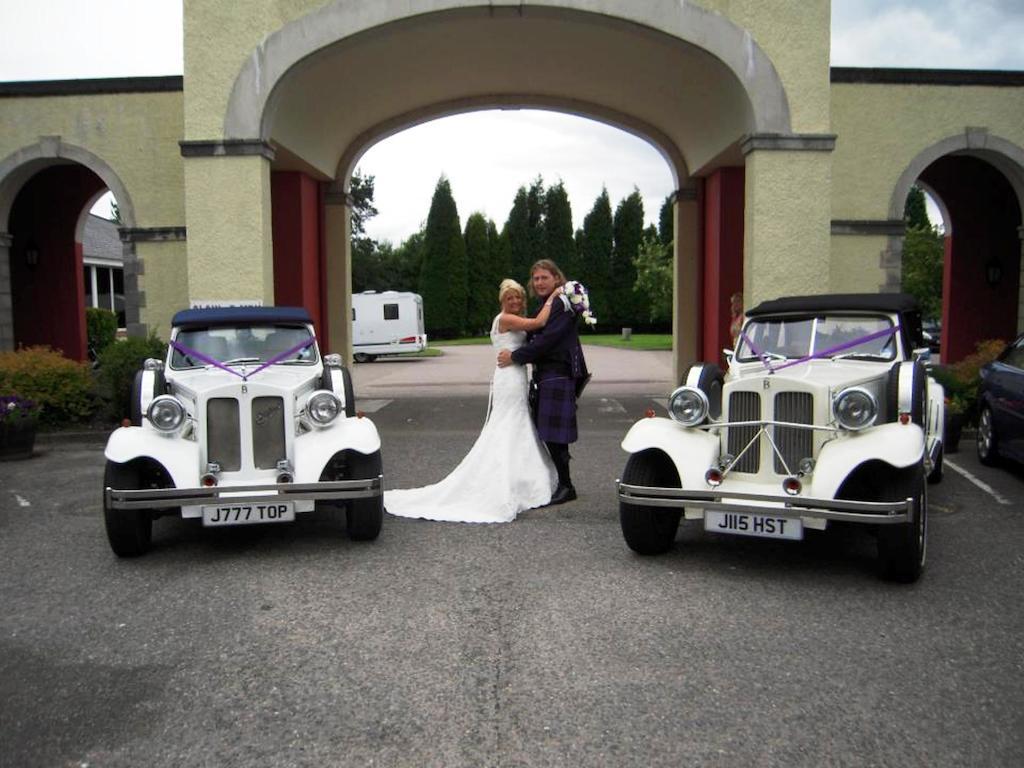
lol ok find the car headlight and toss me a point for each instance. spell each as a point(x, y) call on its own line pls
point(688, 406)
point(855, 408)
point(166, 413)
point(323, 407)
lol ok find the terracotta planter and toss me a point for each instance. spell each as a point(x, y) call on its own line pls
point(954, 428)
point(17, 438)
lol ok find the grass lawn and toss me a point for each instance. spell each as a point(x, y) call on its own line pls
point(642, 341)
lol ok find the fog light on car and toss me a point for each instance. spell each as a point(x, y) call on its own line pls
point(285, 477)
point(806, 466)
point(792, 486)
point(208, 480)
point(713, 477)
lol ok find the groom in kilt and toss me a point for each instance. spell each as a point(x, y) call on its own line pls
point(558, 369)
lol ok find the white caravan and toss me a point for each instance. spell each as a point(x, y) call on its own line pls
point(387, 323)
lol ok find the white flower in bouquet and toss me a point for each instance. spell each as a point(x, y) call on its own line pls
point(579, 301)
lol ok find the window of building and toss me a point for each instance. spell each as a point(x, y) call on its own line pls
point(104, 289)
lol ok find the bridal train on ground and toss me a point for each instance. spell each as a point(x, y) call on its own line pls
point(506, 471)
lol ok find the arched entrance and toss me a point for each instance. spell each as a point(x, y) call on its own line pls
point(321, 89)
point(46, 191)
point(979, 181)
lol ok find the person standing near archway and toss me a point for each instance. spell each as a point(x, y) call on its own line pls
point(558, 365)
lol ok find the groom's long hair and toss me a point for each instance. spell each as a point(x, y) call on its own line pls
point(549, 266)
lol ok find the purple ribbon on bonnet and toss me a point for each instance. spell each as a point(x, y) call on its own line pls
point(244, 377)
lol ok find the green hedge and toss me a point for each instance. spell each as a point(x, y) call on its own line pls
point(118, 364)
point(100, 329)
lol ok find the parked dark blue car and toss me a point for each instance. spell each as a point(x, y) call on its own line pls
point(1001, 399)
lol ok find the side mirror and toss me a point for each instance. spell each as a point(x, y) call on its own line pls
point(923, 354)
point(728, 355)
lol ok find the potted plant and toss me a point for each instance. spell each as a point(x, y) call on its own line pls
point(19, 417)
point(956, 410)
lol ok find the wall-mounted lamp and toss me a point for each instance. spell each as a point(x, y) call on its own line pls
point(31, 256)
point(993, 272)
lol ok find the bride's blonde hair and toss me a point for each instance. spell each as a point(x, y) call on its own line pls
point(508, 285)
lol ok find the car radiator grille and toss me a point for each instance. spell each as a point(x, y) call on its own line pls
point(267, 432)
point(744, 406)
point(223, 439)
point(223, 432)
point(793, 443)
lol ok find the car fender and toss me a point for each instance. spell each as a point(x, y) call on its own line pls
point(692, 451)
point(179, 457)
point(314, 449)
point(899, 445)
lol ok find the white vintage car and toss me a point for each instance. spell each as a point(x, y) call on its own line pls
point(826, 413)
point(243, 423)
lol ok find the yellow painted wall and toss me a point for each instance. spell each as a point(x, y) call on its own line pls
point(795, 35)
point(882, 128)
point(136, 134)
point(786, 244)
point(230, 252)
point(856, 263)
point(164, 283)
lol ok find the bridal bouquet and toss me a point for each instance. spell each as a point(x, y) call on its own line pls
point(579, 301)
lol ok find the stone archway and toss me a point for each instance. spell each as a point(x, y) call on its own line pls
point(44, 189)
point(979, 181)
point(319, 90)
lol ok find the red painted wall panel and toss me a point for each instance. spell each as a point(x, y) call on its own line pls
point(985, 217)
point(296, 223)
point(723, 256)
point(49, 297)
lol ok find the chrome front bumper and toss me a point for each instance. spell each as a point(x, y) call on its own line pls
point(873, 512)
point(161, 498)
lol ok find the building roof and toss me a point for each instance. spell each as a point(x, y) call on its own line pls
point(101, 241)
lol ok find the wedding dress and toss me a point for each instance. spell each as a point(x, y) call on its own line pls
point(506, 471)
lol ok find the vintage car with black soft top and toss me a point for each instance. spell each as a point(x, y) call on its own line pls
point(825, 414)
point(243, 423)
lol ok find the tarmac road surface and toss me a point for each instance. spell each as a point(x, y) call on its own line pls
point(544, 642)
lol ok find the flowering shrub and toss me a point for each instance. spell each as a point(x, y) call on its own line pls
point(579, 301)
point(63, 388)
point(16, 408)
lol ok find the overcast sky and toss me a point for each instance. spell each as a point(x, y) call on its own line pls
point(488, 155)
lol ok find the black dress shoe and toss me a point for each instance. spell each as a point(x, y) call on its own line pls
point(562, 494)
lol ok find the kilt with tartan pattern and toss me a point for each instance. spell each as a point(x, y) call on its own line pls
point(554, 409)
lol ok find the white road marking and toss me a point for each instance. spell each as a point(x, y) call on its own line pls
point(371, 406)
point(608, 405)
point(22, 501)
point(980, 483)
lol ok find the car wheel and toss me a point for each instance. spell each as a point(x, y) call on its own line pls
point(988, 444)
point(364, 516)
point(708, 378)
point(362, 357)
point(649, 530)
point(935, 476)
point(903, 548)
point(130, 531)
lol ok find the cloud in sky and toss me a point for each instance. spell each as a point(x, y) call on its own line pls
point(948, 34)
point(488, 155)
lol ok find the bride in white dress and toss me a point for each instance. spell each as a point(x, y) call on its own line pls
point(508, 468)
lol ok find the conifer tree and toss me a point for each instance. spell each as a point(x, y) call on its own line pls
point(558, 236)
point(535, 200)
point(596, 256)
point(479, 297)
point(443, 273)
point(666, 223)
point(628, 308)
point(499, 249)
point(517, 236)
